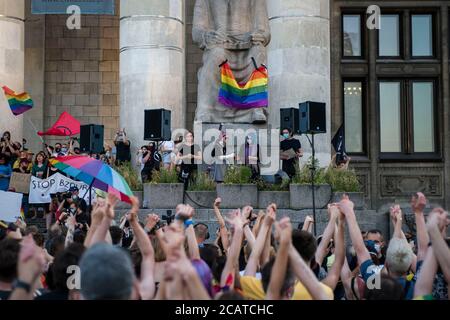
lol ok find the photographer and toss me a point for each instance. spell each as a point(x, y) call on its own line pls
point(123, 147)
point(8, 148)
point(74, 197)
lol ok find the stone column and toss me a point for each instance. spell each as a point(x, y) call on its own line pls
point(34, 76)
point(299, 63)
point(11, 61)
point(152, 62)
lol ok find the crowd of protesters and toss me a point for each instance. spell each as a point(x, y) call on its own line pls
point(255, 256)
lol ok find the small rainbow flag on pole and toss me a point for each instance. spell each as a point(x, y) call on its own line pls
point(253, 94)
point(19, 103)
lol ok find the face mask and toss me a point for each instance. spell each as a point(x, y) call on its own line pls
point(286, 135)
point(74, 197)
point(72, 210)
point(64, 150)
point(58, 149)
point(378, 247)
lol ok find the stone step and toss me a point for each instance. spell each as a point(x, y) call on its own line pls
point(367, 219)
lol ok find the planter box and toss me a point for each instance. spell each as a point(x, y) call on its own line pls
point(356, 197)
point(200, 199)
point(238, 195)
point(163, 195)
point(301, 196)
point(281, 198)
point(124, 205)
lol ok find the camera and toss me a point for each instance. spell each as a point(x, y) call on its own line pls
point(168, 217)
point(63, 196)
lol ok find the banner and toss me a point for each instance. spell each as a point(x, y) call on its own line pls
point(20, 182)
point(11, 203)
point(60, 6)
point(42, 189)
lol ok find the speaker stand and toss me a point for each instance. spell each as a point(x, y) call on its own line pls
point(313, 174)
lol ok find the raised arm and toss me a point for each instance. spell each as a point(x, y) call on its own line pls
point(334, 273)
point(147, 281)
point(266, 225)
point(346, 207)
point(103, 228)
point(308, 224)
point(436, 226)
point(222, 226)
point(418, 204)
point(30, 265)
point(71, 222)
point(184, 217)
point(321, 252)
point(96, 219)
point(280, 266)
point(306, 276)
point(424, 283)
point(247, 213)
point(232, 263)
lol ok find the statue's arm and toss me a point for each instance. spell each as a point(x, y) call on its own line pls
point(261, 23)
point(201, 24)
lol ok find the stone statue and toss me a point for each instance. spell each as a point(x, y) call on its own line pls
point(233, 30)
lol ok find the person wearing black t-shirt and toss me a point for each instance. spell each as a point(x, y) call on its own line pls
point(123, 147)
point(291, 151)
point(150, 161)
point(189, 154)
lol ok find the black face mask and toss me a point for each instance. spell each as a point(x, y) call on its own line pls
point(57, 149)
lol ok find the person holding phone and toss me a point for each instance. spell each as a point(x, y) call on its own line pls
point(123, 147)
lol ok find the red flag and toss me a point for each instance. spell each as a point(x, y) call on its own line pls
point(66, 125)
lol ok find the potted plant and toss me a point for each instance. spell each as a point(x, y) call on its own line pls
point(273, 193)
point(130, 175)
point(201, 192)
point(345, 181)
point(164, 191)
point(301, 188)
point(237, 190)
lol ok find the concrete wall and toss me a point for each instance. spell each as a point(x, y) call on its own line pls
point(11, 61)
point(299, 63)
point(152, 59)
point(34, 76)
point(82, 71)
point(193, 64)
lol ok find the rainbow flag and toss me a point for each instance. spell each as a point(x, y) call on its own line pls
point(253, 94)
point(19, 103)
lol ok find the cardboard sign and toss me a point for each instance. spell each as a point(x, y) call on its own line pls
point(20, 182)
point(11, 203)
point(42, 189)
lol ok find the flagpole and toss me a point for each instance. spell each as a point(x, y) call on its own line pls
point(34, 127)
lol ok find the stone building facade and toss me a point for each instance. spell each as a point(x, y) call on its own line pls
point(97, 73)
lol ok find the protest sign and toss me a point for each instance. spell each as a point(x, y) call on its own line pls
point(20, 182)
point(42, 189)
point(11, 203)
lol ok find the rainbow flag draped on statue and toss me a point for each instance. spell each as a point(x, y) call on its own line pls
point(18, 102)
point(253, 94)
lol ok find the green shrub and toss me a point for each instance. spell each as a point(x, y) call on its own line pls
point(303, 175)
point(202, 182)
point(343, 180)
point(264, 186)
point(238, 175)
point(130, 175)
point(340, 180)
point(164, 176)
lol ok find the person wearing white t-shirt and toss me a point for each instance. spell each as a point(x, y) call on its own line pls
point(166, 149)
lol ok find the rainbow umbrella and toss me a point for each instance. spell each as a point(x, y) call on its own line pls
point(95, 173)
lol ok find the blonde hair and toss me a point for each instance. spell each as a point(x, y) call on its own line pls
point(399, 256)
